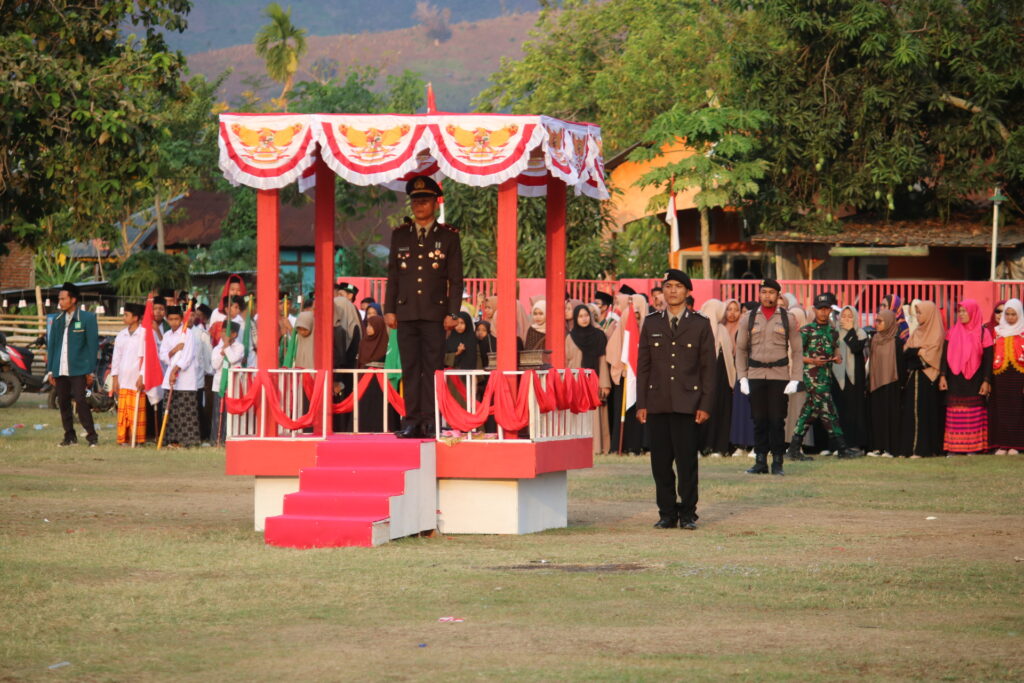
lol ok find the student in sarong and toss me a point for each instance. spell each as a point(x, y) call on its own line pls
point(178, 352)
point(127, 381)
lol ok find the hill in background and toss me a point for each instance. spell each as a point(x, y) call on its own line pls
point(459, 67)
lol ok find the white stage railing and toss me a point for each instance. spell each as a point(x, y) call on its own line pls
point(551, 426)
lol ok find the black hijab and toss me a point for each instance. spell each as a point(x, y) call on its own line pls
point(590, 340)
point(486, 345)
point(467, 359)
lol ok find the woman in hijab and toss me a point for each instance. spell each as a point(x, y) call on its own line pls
point(885, 373)
point(373, 348)
point(997, 315)
point(741, 431)
point(570, 312)
point(233, 286)
point(460, 347)
point(585, 348)
point(849, 389)
point(920, 431)
point(537, 332)
point(1006, 433)
point(634, 432)
point(713, 435)
point(894, 303)
point(346, 337)
point(486, 343)
point(966, 377)
point(304, 339)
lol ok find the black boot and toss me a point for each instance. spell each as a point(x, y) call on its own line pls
point(777, 464)
point(794, 452)
point(411, 430)
point(846, 452)
point(760, 464)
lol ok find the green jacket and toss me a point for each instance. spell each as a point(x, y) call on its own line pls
point(83, 344)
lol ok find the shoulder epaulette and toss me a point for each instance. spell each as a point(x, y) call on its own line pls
point(701, 314)
point(653, 313)
point(451, 228)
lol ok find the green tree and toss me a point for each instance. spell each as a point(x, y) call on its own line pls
point(281, 44)
point(902, 108)
point(149, 270)
point(79, 122)
point(722, 167)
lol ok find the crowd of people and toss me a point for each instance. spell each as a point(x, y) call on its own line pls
point(898, 382)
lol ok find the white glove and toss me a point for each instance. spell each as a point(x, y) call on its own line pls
point(744, 386)
point(791, 387)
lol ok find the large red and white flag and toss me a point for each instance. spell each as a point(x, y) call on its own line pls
point(152, 371)
point(630, 356)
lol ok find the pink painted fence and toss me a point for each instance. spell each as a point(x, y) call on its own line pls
point(864, 295)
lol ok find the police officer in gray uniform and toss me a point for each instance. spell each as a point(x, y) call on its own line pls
point(675, 384)
point(424, 294)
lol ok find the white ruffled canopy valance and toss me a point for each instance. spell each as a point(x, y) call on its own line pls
point(270, 151)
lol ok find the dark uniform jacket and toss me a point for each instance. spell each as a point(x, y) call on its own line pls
point(676, 372)
point(83, 343)
point(424, 280)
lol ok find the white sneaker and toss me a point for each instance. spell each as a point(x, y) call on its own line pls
point(738, 453)
point(751, 454)
point(873, 454)
point(715, 455)
point(1002, 451)
point(886, 455)
point(825, 453)
point(1013, 451)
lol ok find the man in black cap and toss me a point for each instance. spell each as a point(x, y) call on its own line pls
point(604, 301)
point(769, 365)
point(674, 393)
point(71, 349)
point(820, 349)
point(422, 300)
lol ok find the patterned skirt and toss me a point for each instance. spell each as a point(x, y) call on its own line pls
point(183, 421)
point(131, 414)
point(1006, 410)
point(966, 425)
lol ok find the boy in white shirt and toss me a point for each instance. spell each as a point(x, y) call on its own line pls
point(178, 352)
point(228, 353)
point(127, 379)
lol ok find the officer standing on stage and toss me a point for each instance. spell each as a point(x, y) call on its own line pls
point(674, 392)
point(423, 298)
point(769, 363)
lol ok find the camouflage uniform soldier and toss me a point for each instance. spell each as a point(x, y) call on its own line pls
point(821, 349)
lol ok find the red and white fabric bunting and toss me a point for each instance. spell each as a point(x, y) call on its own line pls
point(270, 151)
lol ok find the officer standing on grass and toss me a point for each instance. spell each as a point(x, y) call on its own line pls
point(769, 363)
point(821, 350)
point(423, 299)
point(674, 392)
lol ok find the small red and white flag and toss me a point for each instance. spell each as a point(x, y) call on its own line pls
point(673, 224)
point(630, 356)
point(152, 371)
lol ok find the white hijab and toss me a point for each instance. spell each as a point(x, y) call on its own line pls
point(1004, 329)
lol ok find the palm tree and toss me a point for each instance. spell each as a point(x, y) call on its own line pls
point(281, 45)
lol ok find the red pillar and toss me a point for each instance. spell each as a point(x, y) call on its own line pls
point(267, 285)
point(554, 270)
point(323, 304)
point(508, 213)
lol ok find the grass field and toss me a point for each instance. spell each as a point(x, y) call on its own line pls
point(126, 565)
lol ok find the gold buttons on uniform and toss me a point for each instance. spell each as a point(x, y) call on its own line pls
point(672, 378)
point(695, 388)
point(671, 367)
point(419, 291)
point(419, 279)
point(689, 346)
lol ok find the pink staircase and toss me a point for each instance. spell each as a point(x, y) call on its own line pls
point(364, 490)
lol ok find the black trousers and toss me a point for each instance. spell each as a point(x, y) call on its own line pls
point(673, 438)
point(768, 405)
point(73, 389)
point(421, 346)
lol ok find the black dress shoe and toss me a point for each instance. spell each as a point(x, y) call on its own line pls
point(68, 442)
point(409, 431)
point(689, 525)
point(666, 523)
point(427, 430)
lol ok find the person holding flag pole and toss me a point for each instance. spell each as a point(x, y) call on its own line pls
point(675, 382)
point(177, 350)
point(227, 353)
point(630, 353)
point(151, 372)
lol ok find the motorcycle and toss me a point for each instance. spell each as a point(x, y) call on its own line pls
point(16, 372)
